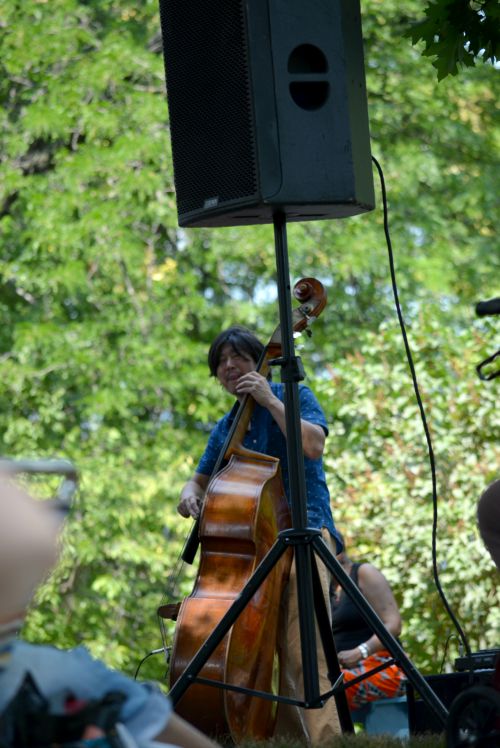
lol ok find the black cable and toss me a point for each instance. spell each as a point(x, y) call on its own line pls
point(422, 415)
point(446, 645)
point(149, 654)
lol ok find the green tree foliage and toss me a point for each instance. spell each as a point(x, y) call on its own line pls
point(457, 33)
point(107, 309)
point(378, 461)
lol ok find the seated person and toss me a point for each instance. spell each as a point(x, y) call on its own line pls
point(28, 540)
point(488, 517)
point(358, 648)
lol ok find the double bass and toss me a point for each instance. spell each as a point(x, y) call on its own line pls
point(244, 509)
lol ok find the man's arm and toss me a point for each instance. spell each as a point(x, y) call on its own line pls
point(192, 495)
point(313, 436)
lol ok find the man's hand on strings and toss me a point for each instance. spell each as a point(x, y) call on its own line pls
point(257, 386)
point(190, 506)
point(191, 499)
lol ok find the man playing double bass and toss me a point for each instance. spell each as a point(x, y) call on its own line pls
point(233, 358)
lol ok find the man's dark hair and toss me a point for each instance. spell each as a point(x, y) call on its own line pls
point(241, 340)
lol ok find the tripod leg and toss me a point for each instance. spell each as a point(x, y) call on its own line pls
point(323, 617)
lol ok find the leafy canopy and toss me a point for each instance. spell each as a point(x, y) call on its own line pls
point(107, 309)
point(457, 33)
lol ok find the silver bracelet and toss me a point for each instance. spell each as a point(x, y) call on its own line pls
point(364, 650)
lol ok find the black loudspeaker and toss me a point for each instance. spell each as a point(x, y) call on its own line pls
point(268, 110)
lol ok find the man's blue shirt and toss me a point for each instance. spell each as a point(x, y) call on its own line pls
point(265, 436)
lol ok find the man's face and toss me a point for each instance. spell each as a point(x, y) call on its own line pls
point(232, 366)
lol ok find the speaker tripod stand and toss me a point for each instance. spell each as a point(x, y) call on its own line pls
point(307, 543)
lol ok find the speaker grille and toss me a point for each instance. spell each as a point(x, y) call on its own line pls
point(210, 103)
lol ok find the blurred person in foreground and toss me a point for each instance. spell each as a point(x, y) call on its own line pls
point(57, 681)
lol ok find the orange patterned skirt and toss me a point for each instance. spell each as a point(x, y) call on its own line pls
point(386, 684)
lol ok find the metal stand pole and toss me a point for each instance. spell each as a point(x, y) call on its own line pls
point(290, 376)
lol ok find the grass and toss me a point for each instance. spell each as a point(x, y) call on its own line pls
point(360, 740)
